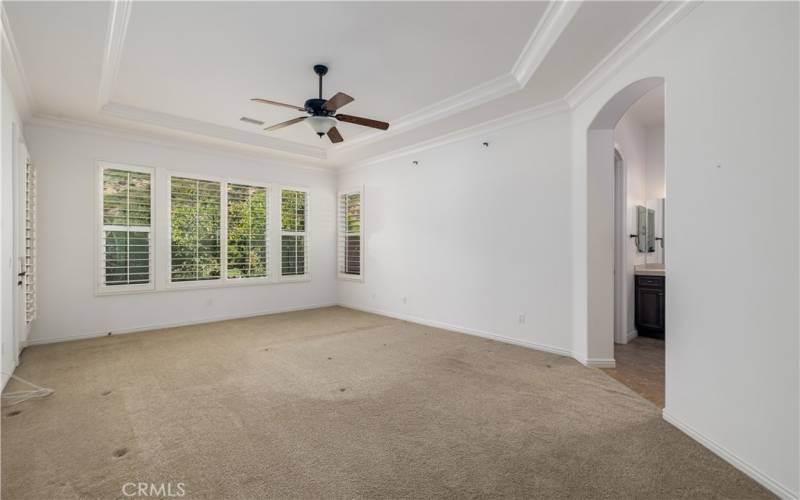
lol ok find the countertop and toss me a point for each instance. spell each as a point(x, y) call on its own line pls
point(649, 270)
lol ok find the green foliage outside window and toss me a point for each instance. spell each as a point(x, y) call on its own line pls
point(195, 221)
point(247, 231)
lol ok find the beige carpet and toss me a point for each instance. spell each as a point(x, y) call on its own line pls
point(334, 403)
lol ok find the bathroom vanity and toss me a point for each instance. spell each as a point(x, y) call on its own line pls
point(649, 300)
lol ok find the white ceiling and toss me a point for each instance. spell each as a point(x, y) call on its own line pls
point(190, 68)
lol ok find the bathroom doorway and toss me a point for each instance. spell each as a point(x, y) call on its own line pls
point(639, 255)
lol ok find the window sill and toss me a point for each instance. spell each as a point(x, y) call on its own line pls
point(300, 278)
point(351, 277)
point(202, 285)
point(122, 290)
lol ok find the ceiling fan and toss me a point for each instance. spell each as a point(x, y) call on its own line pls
point(322, 113)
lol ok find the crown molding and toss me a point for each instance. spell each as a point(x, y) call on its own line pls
point(112, 53)
point(553, 22)
point(234, 150)
point(547, 31)
point(480, 94)
point(29, 103)
point(212, 130)
point(488, 127)
point(662, 18)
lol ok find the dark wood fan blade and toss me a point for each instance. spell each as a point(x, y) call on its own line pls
point(337, 101)
point(285, 124)
point(334, 135)
point(364, 122)
point(276, 103)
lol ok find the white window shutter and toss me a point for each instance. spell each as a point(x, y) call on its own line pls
point(248, 232)
point(350, 235)
point(294, 232)
point(30, 242)
point(196, 229)
point(126, 223)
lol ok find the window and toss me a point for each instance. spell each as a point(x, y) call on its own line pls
point(293, 232)
point(30, 243)
point(349, 240)
point(248, 247)
point(126, 246)
point(195, 234)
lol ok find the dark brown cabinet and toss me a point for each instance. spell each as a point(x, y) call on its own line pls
point(649, 306)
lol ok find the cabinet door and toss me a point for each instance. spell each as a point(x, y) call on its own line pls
point(650, 308)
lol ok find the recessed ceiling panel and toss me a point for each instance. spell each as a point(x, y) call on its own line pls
point(205, 60)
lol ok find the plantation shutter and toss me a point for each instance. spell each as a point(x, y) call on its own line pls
point(248, 245)
point(349, 234)
point(195, 229)
point(293, 232)
point(30, 243)
point(127, 223)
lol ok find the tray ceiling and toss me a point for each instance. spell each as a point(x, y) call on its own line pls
point(189, 68)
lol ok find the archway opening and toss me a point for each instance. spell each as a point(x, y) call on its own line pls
point(611, 304)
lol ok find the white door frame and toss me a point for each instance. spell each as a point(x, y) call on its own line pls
point(620, 249)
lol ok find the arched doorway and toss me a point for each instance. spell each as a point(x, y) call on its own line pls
point(600, 220)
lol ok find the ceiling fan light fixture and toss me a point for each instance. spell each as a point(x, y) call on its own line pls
point(321, 124)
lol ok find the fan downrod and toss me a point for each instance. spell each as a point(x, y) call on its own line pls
point(314, 106)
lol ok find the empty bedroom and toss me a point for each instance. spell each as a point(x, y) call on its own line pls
point(302, 250)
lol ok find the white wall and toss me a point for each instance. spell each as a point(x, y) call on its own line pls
point(11, 131)
point(472, 237)
point(68, 307)
point(731, 163)
point(655, 179)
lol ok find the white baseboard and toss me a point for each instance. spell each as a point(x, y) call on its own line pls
point(597, 362)
point(755, 474)
point(159, 326)
point(463, 329)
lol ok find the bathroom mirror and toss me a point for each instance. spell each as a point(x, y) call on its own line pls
point(641, 229)
point(651, 230)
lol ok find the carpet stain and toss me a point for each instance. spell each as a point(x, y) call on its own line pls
point(120, 452)
point(105, 393)
point(13, 413)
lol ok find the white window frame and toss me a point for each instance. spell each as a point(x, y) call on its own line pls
point(223, 280)
point(161, 237)
point(281, 233)
point(339, 235)
point(100, 287)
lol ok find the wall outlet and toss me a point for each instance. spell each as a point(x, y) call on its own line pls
point(522, 319)
point(405, 300)
point(374, 296)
